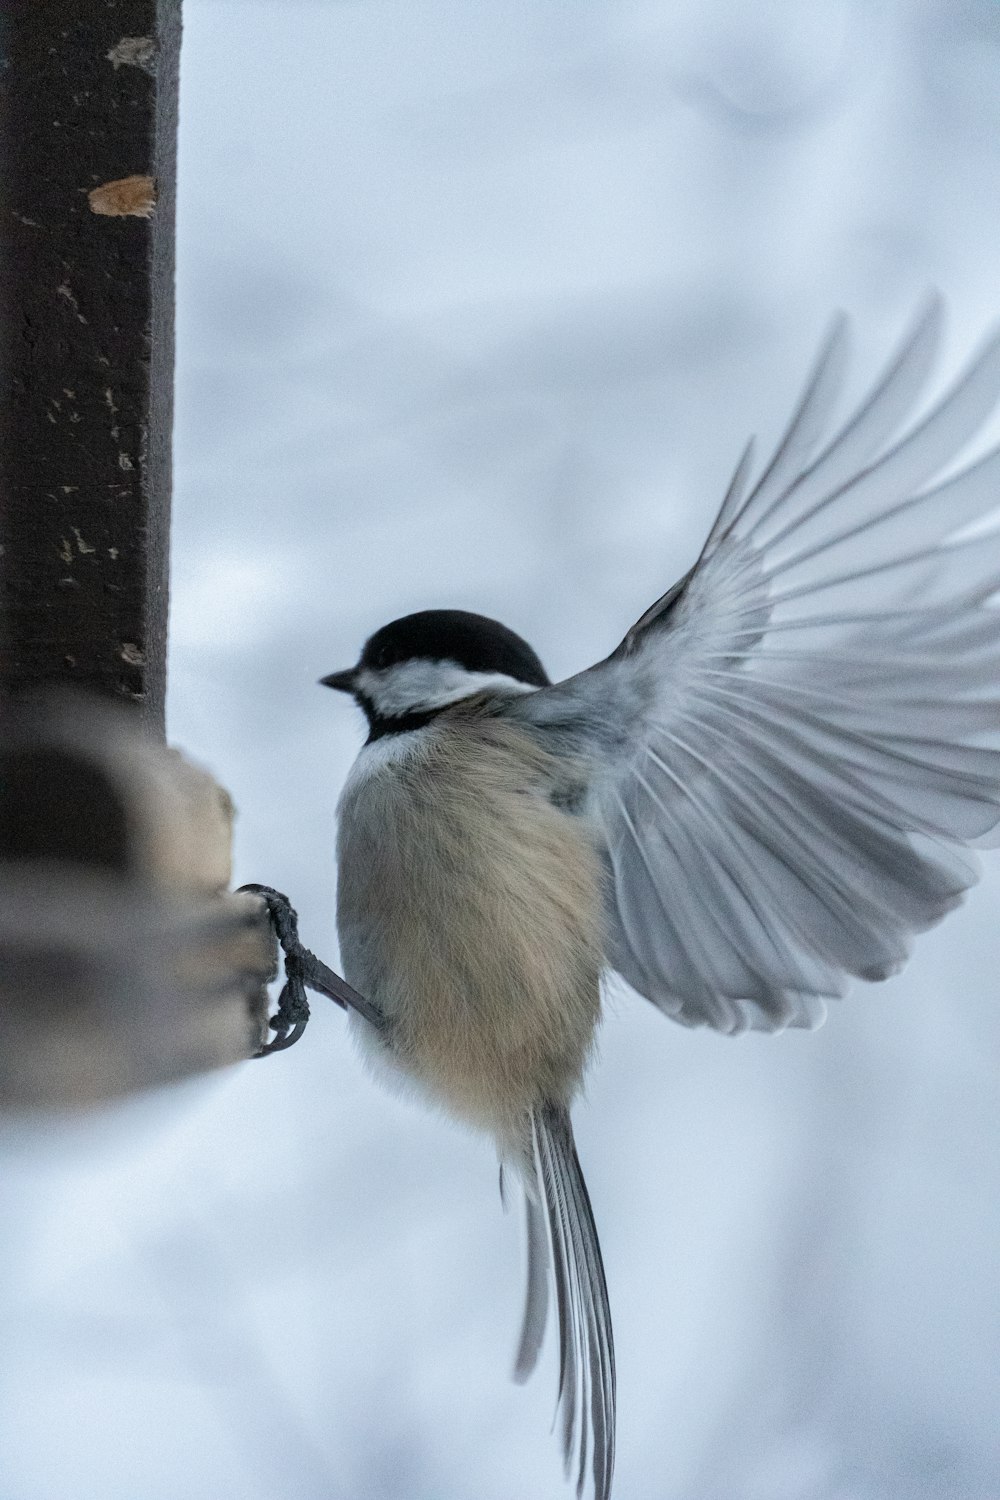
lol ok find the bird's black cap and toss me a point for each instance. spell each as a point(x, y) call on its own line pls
point(475, 642)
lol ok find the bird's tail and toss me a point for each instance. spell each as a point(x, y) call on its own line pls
point(562, 1232)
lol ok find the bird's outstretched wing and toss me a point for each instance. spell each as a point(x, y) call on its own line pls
point(787, 755)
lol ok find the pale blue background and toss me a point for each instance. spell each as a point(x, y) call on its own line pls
point(477, 306)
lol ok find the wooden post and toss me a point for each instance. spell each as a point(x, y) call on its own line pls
point(124, 963)
point(88, 129)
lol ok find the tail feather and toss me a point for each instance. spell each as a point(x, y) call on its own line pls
point(536, 1300)
point(560, 1224)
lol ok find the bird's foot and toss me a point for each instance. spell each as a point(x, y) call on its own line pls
point(303, 970)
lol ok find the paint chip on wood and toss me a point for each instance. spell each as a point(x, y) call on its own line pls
point(133, 52)
point(124, 197)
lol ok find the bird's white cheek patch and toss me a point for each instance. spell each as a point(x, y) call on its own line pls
point(414, 686)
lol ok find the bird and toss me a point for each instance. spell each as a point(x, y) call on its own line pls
point(777, 779)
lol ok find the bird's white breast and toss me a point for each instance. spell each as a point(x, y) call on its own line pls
point(469, 910)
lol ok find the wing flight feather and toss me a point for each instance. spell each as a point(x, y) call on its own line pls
point(791, 747)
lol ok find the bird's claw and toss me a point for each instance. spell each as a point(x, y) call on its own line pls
point(289, 1020)
point(303, 970)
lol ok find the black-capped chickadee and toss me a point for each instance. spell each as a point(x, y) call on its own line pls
point(768, 787)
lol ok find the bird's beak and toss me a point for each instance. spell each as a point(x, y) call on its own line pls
point(342, 681)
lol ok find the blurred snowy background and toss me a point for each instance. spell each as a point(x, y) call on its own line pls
point(477, 307)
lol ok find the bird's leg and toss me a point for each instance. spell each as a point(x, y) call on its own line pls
point(303, 970)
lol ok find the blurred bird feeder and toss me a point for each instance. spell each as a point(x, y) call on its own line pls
point(124, 962)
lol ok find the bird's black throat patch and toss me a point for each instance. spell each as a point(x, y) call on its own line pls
point(380, 725)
